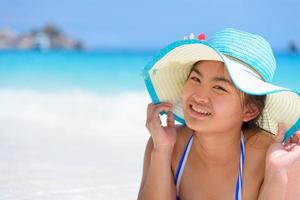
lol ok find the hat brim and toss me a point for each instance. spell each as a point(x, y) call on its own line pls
point(165, 75)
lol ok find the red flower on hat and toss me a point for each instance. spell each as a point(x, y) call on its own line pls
point(201, 36)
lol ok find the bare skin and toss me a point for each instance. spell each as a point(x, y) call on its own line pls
point(202, 181)
point(213, 163)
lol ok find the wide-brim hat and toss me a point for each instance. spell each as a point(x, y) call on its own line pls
point(250, 63)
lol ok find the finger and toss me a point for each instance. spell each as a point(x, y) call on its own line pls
point(151, 107)
point(287, 142)
point(170, 119)
point(296, 137)
point(165, 104)
point(152, 117)
point(293, 139)
point(280, 133)
point(290, 146)
point(149, 110)
point(155, 118)
point(161, 107)
point(294, 153)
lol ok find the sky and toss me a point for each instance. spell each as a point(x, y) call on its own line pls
point(137, 24)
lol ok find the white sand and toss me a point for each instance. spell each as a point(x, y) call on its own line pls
point(71, 145)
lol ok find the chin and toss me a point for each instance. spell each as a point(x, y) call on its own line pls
point(208, 124)
point(198, 125)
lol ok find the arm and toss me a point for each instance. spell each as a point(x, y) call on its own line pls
point(293, 187)
point(157, 181)
point(278, 186)
point(282, 179)
point(274, 186)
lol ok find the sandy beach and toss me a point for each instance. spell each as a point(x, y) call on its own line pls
point(71, 145)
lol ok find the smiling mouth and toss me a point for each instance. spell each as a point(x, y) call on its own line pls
point(199, 111)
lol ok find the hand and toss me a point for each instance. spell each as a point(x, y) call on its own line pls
point(281, 157)
point(163, 137)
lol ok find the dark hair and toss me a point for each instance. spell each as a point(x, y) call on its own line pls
point(247, 99)
point(259, 102)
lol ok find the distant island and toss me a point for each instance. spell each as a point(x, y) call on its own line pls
point(293, 47)
point(46, 38)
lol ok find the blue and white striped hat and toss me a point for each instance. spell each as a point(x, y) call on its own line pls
point(250, 63)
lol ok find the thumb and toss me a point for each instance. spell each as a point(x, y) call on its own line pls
point(170, 119)
point(280, 133)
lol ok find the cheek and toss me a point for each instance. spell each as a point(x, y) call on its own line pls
point(227, 107)
point(186, 91)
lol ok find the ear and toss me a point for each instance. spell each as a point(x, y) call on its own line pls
point(250, 112)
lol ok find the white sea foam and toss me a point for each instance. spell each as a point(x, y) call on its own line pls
point(71, 145)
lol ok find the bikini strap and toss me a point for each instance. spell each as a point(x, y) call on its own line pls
point(182, 163)
point(239, 183)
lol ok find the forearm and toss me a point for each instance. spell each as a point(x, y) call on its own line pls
point(293, 188)
point(159, 183)
point(274, 186)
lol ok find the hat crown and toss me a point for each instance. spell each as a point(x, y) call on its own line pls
point(252, 49)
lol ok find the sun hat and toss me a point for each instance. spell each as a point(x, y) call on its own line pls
point(250, 63)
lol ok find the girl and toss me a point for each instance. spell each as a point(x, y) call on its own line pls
point(230, 144)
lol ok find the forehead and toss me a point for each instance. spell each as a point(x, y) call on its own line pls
point(211, 68)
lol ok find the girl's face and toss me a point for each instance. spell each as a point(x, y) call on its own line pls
point(211, 103)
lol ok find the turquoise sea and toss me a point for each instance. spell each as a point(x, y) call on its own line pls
point(94, 70)
point(72, 124)
point(100, 71)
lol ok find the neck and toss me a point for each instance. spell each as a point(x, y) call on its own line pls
point(218, 149)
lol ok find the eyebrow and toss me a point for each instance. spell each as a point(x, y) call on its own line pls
point(215, 78)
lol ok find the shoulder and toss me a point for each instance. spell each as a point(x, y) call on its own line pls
point(258, 139)
point(257, 143)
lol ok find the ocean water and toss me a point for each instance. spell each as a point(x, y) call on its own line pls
point(72, 123)
point(100, 71)
point(94, 70)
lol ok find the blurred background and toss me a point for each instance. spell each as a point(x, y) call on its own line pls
point(72, 98)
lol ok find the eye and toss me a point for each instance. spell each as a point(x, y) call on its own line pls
point(220, 88)
point(194, 78)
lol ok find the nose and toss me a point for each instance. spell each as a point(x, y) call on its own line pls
point(200, 98)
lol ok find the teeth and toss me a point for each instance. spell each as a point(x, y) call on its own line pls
point(200, 111)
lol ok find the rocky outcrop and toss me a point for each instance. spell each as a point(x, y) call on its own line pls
point(48, 37)
point(293, 48)
point(8, 39)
